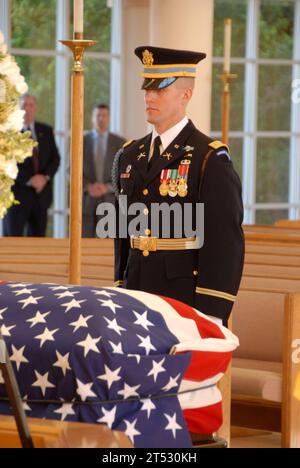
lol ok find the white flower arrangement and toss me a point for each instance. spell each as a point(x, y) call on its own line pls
point(15, 146)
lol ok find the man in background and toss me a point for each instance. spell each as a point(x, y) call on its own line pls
point(33, 187)
point(99, 148)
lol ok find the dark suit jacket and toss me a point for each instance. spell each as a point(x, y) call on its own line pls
point(48, 164)
point(114, 143)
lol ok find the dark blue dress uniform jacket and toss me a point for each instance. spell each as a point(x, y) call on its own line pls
point(208, 278)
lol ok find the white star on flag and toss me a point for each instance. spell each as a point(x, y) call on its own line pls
point(65, 411)
point(42, 382)
point(2, 312)
point(171, 384)
point(110, 376)
point(173, 425)
point(60, 288)
point(5, 331)
point(117, 349)
point(30, 300)
point(62, 362)
point(109, 416)
point(131, 431)
point(157, 369)
point(135, 356)
point(25, 404)
point(142, 320)
point(81, 323)
point(23, 291)
point(146, 343)
point(38, 318)
point(17, 356)
point(148, 406)
point(66, 294)
point(47, 335)
point(73, 305)
point(113, 325)
point(110, 304)
point(19, 285)
point(103, 293)
point(84, 390)
point(89, 344)
point(128, 391)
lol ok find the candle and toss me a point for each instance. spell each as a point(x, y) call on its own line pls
point(227, 45)
point(78, 16)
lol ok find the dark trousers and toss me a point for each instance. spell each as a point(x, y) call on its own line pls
point(29, 216)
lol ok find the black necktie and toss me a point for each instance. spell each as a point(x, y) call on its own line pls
point(156, 152)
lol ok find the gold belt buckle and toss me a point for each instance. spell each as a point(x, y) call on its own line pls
point(148, 244)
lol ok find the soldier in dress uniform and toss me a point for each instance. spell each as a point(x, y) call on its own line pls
point(178, 163)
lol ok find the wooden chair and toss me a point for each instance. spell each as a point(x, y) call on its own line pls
point(264, 374)
point(14, 396)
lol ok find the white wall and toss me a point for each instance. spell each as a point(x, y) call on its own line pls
point(182, 24)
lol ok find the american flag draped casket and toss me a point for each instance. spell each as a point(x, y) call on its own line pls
point(136, 362)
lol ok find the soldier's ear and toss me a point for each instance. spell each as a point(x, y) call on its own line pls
point(187, 95)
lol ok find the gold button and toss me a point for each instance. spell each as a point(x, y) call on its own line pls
point(146, 192)
point(146, 211)
point(146, 253)
point(147, 232)
point(195, 273)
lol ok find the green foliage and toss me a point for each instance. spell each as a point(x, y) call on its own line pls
point(97, 24)
point(39, 73)
point(272, 178)
point(97, 86)
point(237, 96)
point(237, 10)
point(274, 97)
point(276, 29)
point(33, 24)
point(270, 216)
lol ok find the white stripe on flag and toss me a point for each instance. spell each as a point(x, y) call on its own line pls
point(184, 329)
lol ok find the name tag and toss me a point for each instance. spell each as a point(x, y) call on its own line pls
point(125, 175)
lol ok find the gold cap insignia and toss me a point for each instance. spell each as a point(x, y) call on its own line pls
point(148, 59)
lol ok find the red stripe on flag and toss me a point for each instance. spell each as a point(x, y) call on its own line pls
point(205, 420)
point(206, 365)
point(206, 328)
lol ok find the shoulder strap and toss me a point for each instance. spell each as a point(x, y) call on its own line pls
point(203, 167)
point(217, 145)
point(128, 143)
point(115, 171)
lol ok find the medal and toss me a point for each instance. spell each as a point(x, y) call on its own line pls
point(182, 188)
point(173, 183)
point(164, 181)
point(183, 170)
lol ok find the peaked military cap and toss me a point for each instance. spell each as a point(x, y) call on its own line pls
point(162, 66)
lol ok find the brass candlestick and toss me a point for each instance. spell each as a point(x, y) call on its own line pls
point(227, 78)
point(78, 47)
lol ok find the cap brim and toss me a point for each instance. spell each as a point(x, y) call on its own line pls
point(158, 83)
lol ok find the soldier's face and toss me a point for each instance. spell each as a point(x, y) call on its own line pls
point(165, 107)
